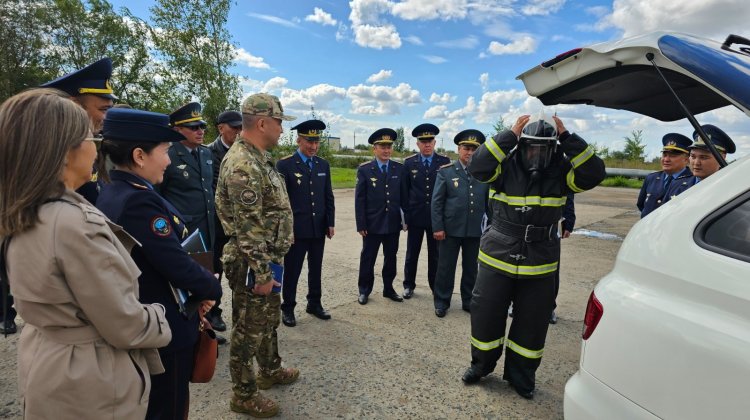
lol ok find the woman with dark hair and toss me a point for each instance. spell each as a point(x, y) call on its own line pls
point(137, 142)
point(88, 346)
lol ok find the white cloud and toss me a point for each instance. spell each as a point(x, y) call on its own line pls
point(341, 32)
point(318, 96)
point(385, 100)
point(369, 30)
point(319, 16)
point(522, 45)
point(466, 43)
point(493, 104)
point(484, 79)
point(436, 112)
point(244, 57)
point(413, 39)
point(542, 7)
point(274, 19)
point(710, 18)
point(274, 84)
point(442, 99)
point(598, 11)
point(380, 76)
point(430, 9)
point(434, 59)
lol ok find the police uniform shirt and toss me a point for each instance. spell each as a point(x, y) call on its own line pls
point(188, 185)
point(378, 197)
point(420, 183)
point(131, 202)
point(308, 183)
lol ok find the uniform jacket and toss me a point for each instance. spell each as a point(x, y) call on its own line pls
point(516, 199)
point(218, 151)
point(157, 225)
point(420, 184)
point(678, 186)
point(88, 346)
point(458, 202)
point(188, 185)
point(569, 213)
point(310, 195)
point(652, 194)
point(378, 198)
point(253, 206)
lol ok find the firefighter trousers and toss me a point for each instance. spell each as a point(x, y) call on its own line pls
point(533, 300)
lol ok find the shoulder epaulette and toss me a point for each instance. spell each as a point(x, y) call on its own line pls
point(411, 156)
point(447, 165)
point(364, 163)
point(137, 185)
point(287, 157)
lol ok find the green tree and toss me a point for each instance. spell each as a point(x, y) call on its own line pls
point(499, 126)
point(198, 52)
point(22, 63)
point(634, 146)
point(398, 144)
point(601, 151)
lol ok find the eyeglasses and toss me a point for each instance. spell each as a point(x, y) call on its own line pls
point(197, 127)
point(96, 140)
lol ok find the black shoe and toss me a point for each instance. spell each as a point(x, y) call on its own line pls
point(220, 339)
point(471, 376)
point(217, 323)
point(526, 394)
point(408, 292)
point(288, 318)
point(392, 295)
point(362, 299)
point(440, 312)
point(553, 318)
point(318, 312)
point(8, 327)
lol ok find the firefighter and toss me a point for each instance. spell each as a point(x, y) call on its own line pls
point(519, 253)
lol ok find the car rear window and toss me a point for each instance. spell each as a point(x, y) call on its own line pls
point(727, 230)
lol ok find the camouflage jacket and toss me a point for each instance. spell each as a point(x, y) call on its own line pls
point(253, 207)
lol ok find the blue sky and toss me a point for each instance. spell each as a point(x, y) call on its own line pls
point(367, 64)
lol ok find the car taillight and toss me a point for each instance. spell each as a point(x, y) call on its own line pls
point(594, 311)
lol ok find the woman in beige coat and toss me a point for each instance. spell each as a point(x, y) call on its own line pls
point(88, 346)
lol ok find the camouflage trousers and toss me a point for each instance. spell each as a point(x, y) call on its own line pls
point(255, 319)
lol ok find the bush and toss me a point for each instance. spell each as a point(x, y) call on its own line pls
point(621, 181)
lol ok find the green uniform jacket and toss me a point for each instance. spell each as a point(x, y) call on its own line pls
point(458, 202)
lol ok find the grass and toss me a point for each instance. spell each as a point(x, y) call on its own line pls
point(343, 177)
point(621, 181)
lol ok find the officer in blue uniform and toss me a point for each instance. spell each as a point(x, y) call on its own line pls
point(702, 162)
point(419, 180)
point(674, 159)
point(378, 202)
point(458, 204)
point(188, 181)
point(136, 142)
point(308, 183)
point(90, 87)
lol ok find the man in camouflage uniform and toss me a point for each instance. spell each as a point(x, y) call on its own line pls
point(253, 207)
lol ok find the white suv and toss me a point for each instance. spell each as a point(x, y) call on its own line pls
point(667, 333)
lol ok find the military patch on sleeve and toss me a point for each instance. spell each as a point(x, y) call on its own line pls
point(248, 197)
point(160, 226)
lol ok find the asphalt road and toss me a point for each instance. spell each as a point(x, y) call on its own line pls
point(398, 360)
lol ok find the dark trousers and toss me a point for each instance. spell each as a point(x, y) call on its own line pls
point(219, 242)
point(370, 246)
point(293, 260)
point(7, 306)
point(532, 303)
point(170, 391)
point(413, 247)
point(446, 271)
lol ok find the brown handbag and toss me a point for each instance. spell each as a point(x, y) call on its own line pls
point(206, 353)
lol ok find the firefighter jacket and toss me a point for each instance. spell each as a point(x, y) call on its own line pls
point(522, 240)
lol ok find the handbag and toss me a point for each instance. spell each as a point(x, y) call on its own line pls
point(206, 353)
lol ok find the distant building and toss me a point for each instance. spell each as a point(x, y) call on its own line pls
point(334, 143)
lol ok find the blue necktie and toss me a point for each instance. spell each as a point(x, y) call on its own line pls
point(426, 163)
point(384, 168)
point(667, 182)
point(309, 162)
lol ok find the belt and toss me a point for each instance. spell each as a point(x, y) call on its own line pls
point(529, 233)
point(71, 335)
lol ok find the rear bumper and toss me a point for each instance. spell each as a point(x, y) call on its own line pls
point(588, 398)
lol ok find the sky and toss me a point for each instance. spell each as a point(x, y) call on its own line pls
point(367, 64)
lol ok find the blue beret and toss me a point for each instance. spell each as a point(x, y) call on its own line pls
point(425, 131)
point(719, 138)
point(676, 142)
point(188, 115)
point(383, 136)
point(134, 125)
point(92, 79)
point(470, 137)
point(310, 129)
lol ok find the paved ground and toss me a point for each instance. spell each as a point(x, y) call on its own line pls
point(397, 360)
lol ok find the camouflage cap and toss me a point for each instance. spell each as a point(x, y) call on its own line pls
point(265, 105)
